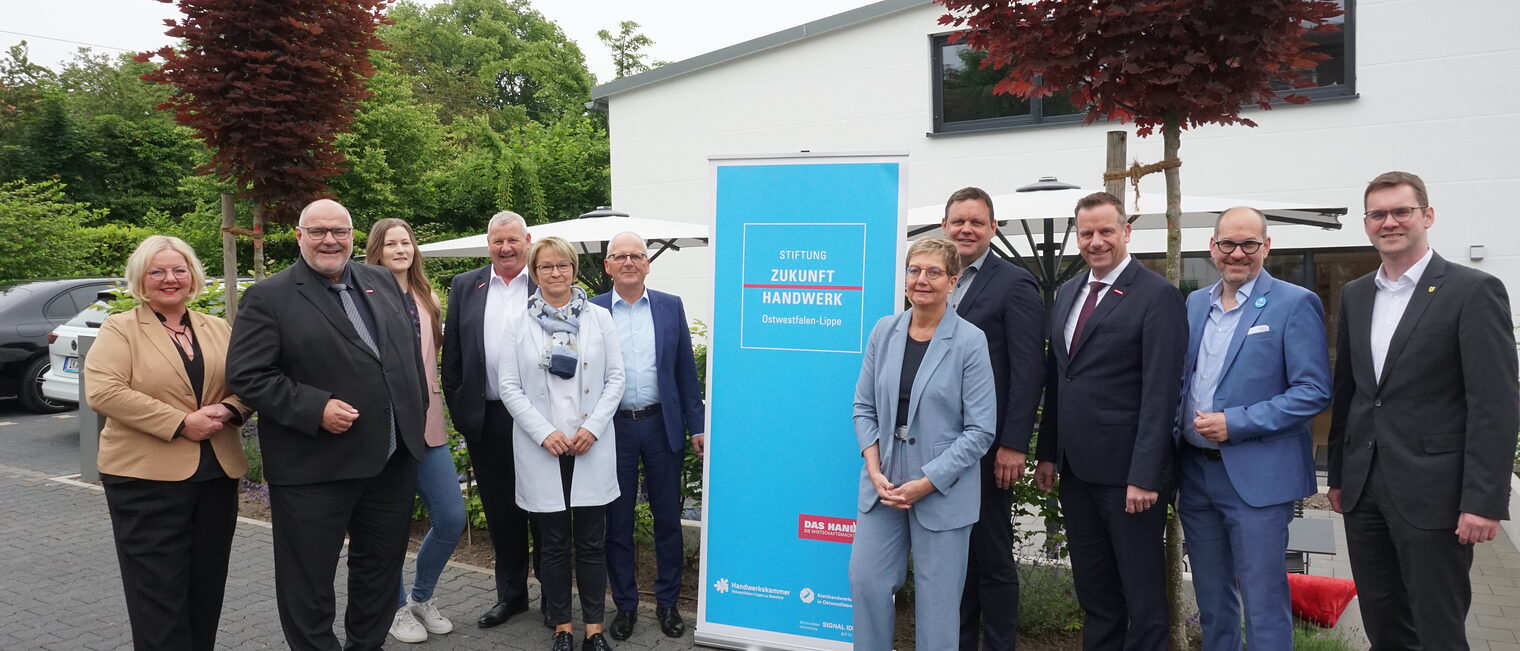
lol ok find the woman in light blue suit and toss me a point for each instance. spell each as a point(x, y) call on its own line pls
point(925, 410)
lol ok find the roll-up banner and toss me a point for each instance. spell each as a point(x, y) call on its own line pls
point(807, 253)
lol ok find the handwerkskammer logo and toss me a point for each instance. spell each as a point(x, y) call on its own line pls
point(721, 586)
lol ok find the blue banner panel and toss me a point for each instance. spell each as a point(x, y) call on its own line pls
point(806, 260)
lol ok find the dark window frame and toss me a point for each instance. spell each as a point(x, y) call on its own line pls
point(1036, 118)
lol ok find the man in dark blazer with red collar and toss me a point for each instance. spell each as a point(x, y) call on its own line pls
point(1423, 426)
point(1003, 301)
point(326, 353)
point(661, 407)
point(481, 304)
point(1118, 338)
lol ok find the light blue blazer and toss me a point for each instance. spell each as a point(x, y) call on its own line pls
point(1276, 378)
point(951, 415)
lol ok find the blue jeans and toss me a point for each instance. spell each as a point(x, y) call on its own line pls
point(438, 484)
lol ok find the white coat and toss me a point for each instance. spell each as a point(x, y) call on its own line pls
point(531, 394)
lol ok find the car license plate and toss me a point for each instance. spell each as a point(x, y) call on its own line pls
point(71, 364)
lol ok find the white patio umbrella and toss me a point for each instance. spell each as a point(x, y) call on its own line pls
point(588, 234)
point(1197, 211)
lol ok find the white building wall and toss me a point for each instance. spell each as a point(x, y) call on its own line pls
point(1438, 95)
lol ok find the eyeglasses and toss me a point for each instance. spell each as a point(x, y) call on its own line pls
point(932, 273)
point(178, 272)
point(1248, 247)
point(620, 258)
point(1401, 214)
point(561, 267)
point(319, 233)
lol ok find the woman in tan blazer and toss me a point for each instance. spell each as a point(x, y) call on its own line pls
point(169, 454)
point(392, 245)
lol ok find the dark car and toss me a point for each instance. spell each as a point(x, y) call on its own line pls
point(29, 310)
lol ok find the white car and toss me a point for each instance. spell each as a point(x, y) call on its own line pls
point(61, 382)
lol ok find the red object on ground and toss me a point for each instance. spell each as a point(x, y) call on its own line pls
point(1320, 599)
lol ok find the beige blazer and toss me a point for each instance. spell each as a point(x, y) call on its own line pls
point(134, 377)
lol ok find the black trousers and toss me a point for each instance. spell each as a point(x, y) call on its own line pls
point(585, 529)
point(496, 477)
point(990, 601)
point(1401, 570)
point(310, 521)
point(173, 540)
point(1118, 563)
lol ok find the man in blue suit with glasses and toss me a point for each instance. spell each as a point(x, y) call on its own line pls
point(1256, 372)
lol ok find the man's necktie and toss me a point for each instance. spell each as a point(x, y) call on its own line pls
point(352, 310)
point(1094, 289)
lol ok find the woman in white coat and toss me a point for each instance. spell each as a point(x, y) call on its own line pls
point(562, 378)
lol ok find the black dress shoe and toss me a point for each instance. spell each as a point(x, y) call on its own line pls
point(594, 642)
point(563, 641)
point(670, 621)
point(622, 624)
point(499, 614)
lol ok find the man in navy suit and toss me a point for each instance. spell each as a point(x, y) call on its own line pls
point(662, 404)
point(1117, 340)
point(1003, 301)
point(481, 303)
point(1257, 371)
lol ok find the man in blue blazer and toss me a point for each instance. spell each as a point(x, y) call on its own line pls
point(1257, 371)
point(1117, 341)
point(662, 404)
point(1003, 301)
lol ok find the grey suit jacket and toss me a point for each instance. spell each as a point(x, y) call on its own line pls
point(1441, 422)
point(951, 415)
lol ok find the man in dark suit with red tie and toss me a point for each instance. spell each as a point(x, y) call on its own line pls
point(1118, 338)
point(1423, 425)
point(1003, 301)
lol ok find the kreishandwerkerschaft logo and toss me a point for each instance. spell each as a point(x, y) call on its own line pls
point(806, 595)
point(721, 586)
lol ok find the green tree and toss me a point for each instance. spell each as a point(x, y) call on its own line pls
point(627, 49)
point(40, 226)
point(394, 148)
point(497, 58)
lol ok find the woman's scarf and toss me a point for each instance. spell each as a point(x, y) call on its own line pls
point(561, 324)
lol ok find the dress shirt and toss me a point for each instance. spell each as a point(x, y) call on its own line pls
point(1388, 307)
point(967, 276)
point(506, 301)
point(1219, 330)
point(1108, 283)
point(635, 327)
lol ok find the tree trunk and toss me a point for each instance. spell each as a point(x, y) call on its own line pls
point(1118, 152)
point(229, 257)
point(1171, 141)
point(258, 242)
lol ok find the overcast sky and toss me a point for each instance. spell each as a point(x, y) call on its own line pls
point(680, 28)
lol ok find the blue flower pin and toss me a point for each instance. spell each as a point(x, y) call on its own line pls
point(1261, 302)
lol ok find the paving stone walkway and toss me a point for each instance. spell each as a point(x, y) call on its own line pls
point(60, 587)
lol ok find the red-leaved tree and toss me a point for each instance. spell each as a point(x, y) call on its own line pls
point(1168, 64)
point(267, 86)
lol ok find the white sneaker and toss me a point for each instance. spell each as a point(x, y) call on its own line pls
point(406, 628)
point(428, 614)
